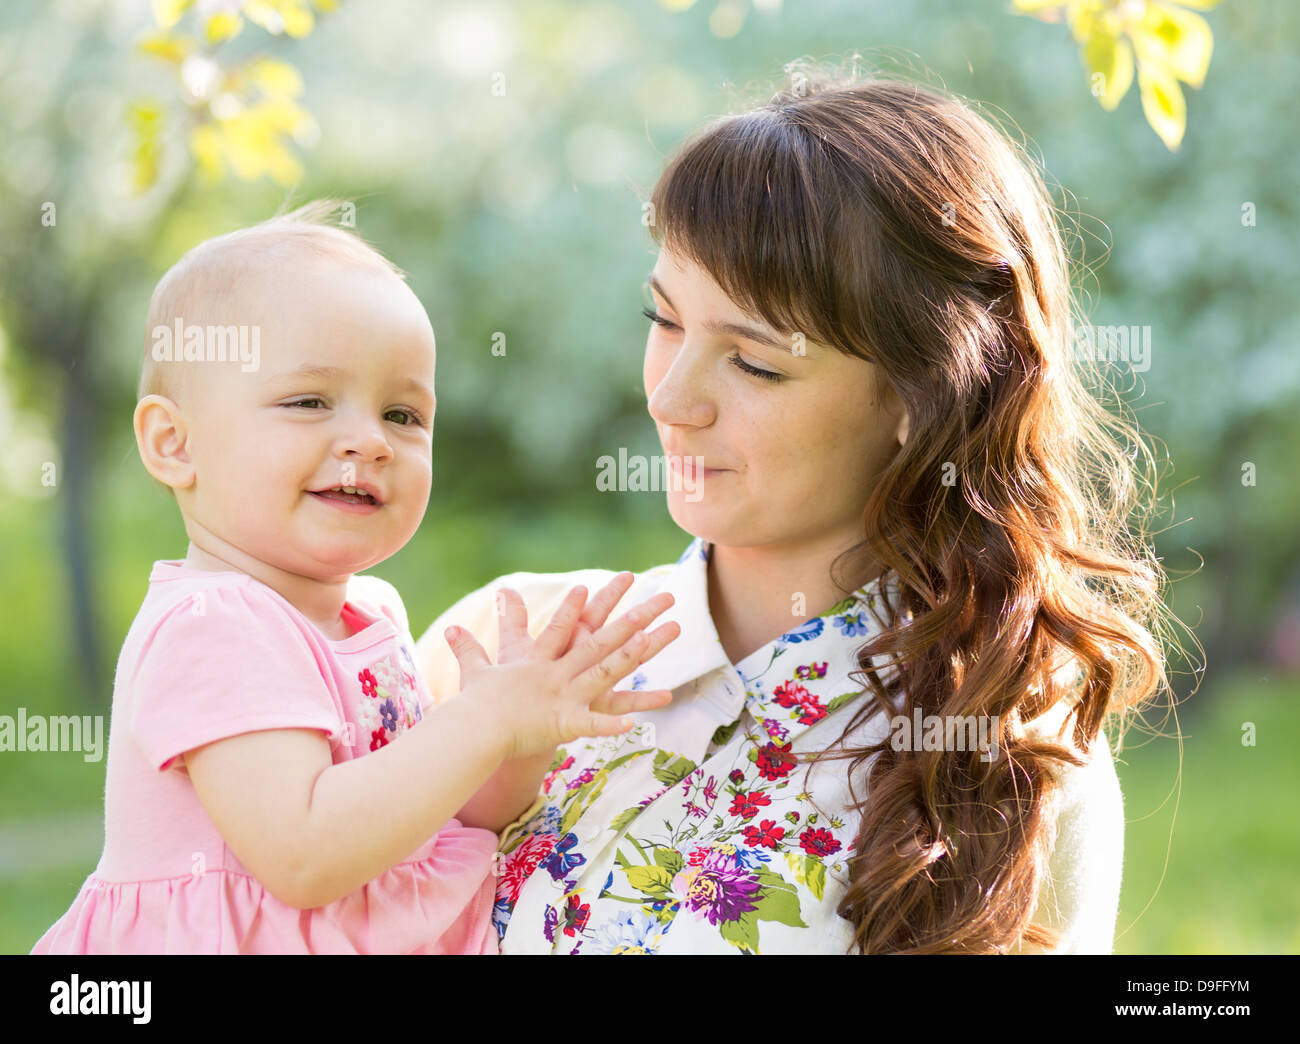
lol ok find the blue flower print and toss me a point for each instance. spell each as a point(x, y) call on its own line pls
point(388, 711)
point(550, 920)
point(638, 681)
point(751, 858)
point(635, 932)
point(812, 629)
point(853, 625)
point(559, 862)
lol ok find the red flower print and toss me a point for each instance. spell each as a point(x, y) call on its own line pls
point(550, 776)
point(520, 863)
point(698, 856)
point(811, 711)
point(735, 775)
point(790, 694)
point(819, 842)
point(379, 738)
point(747, 805)
point(775, 760)
point(368, 684)
point(575, 916)
point(767, 834)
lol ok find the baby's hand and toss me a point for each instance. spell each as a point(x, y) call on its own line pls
point(559, 687)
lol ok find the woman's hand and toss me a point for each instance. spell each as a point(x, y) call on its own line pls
point(559, 687)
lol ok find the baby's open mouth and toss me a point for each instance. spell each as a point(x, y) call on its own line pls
point(346, 494)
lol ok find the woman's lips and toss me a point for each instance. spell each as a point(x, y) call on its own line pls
point(689, 468)
point(349, 502)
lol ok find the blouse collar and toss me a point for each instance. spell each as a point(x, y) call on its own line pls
point(821, 650)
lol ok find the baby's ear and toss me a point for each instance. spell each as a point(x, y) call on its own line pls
point(162, 438)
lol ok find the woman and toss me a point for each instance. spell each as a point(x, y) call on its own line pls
point(909, 511)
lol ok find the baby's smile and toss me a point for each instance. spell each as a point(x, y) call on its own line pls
point(357, 500)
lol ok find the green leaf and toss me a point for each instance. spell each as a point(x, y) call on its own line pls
point(839, 701)
point(624, 818)
point(674, 771)
point(670, 860)
point(742, 932)
point(816, 877)
point(653, 881)
point(780, 905)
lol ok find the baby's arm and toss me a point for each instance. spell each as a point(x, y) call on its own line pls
point(308, 829)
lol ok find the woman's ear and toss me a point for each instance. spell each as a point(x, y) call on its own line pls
point(162, 437)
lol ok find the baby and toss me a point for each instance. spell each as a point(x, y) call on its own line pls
point(279, 779)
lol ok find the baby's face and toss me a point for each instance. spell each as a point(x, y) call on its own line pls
point(343, 396)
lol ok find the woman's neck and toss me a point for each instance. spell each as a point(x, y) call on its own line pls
point(756, 594)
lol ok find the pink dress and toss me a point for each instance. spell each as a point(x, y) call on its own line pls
point(209, 656)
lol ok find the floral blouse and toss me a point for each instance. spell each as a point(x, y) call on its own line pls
point(698, 831)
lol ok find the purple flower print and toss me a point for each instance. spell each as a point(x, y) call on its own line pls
point(388, 711)
point(585, 776)
point(719, 888)
point(775, 729)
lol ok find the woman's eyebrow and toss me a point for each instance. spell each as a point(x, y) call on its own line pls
point(749, 333)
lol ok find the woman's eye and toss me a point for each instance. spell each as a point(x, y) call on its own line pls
point(766, 375)
point(658, 319)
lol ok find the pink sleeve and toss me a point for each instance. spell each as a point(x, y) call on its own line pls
point(238, 662)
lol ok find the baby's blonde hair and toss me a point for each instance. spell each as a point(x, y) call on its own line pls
point(210, 273)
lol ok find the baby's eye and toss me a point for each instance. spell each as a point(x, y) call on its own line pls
point(412, 418)
point(304, 402)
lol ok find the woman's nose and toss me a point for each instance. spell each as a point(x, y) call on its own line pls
point(682, 395)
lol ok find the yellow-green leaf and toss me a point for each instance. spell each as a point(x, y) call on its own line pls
point(167, 47)
point(1110, 61)
point(1179, 40)
point(222, 26)
point(277, 79)
point(1163, 103)
point(205, 144)
point(168, 12)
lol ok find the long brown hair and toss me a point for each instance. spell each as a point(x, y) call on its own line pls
point(895, 222)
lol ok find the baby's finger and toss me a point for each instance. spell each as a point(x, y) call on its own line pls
point(602, 604)
point(556, 634)
point(512, 622)
point(626, 701)
point(587, 723)
point(608, 672)
point(591, 651)
point(471, 656)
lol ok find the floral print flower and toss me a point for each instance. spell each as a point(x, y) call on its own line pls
point(628, 934)
point(811, 671)
point(718, 889)
point(818, 842)
point(388, 712)
point(747, 806)
point(775, 760)
point(368, 684)
point(851, 625)
point(767, 834)
point(775, 729)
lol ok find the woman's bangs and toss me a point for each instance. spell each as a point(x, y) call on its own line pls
point(737, 202)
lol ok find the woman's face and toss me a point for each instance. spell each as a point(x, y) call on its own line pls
point(792, 433)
